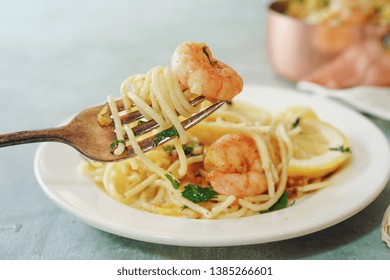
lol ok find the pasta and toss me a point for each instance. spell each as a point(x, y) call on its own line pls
point(235, 163)
point(141, 182)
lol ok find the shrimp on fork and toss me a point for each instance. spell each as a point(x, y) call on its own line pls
point(234, 166)
point(197, 70)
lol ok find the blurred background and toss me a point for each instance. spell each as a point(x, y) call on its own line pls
point(57, 57)
point(83, 51)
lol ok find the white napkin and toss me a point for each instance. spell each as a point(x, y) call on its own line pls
point(368, 99)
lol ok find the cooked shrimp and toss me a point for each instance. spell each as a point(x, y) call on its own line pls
point(363, 63)
point(198, 71)
point(234, 166)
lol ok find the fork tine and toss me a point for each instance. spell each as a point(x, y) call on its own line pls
point(130, 117)
point(145, 127)
point(119, 103)
point(150, 125)
point(136, 115)
point(148, 143)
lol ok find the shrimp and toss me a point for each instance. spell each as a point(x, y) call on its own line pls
point(362, 63)
point(198, 71)
point(234, 166)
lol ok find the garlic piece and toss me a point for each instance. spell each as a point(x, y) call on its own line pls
point(386, 227)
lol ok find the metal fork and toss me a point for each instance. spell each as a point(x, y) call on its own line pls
point(87, 136)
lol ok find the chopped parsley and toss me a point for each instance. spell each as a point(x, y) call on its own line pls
point(167, 133)
point(280, 204)
point(116, 142)
point(175, 183)
point(295, 123)
point(184, 207)
point(188, 149)
point(341, 149)
point(140, 122)
point(198, 194)
point(169, 148)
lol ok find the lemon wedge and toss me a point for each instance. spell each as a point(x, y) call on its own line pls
point(318, 149)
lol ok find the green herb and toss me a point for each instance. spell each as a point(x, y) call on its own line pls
point(167, 133)
point(175, 183)
point(169, 148)
point(184, 207)
point(280, 204)
point(141, 122)
point(197, 194)
point(116, 142)
point(341, 149)
point(188, 149)
point(295, 123)
point(192, 149)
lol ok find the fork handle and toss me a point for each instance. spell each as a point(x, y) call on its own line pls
point(32, 136)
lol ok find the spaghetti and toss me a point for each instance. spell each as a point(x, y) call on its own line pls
point(173, 179)
point(141, 182)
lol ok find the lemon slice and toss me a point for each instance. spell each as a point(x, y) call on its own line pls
point(291, 114)
point(318, 149)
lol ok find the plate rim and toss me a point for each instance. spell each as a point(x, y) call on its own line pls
point(349, 96)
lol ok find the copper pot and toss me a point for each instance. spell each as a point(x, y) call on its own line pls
point(296, 48)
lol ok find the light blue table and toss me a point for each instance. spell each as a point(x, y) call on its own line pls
point(57, 57)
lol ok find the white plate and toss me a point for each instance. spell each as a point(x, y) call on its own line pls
point(359, 183)
point(367, 99)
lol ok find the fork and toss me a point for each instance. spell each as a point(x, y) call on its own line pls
point(92, 140)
